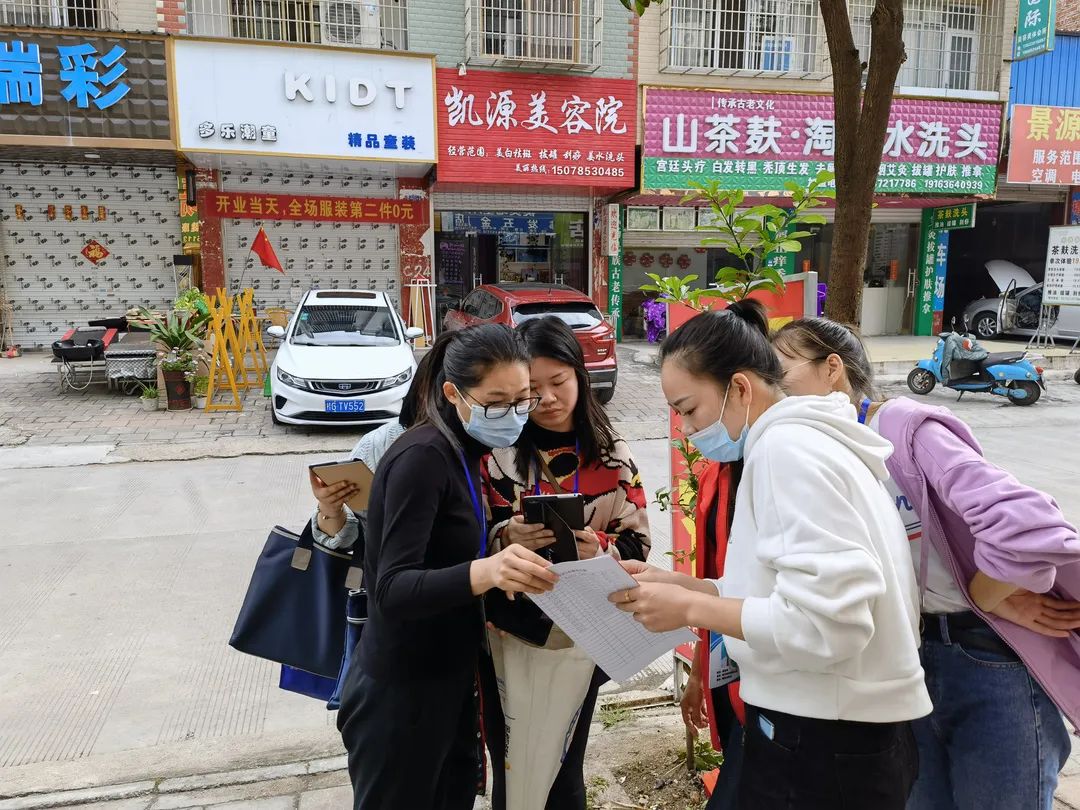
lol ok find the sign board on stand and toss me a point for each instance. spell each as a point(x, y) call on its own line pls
point(1061, 284)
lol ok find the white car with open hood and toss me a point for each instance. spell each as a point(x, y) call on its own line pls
point(1016, 310)
point(346, 358)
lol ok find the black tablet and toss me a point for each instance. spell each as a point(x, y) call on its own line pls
point(562, 514)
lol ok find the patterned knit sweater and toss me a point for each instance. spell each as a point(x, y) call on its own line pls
point(615, 503)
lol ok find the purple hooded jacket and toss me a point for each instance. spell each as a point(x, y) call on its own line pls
point(981, 518)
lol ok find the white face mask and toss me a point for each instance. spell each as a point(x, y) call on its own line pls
point(502, 431)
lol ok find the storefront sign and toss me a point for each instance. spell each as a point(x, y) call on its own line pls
point(612, 231)
point(1061, 284)
point(1034, 28)
point(489, 222)
point(231, 205)
point(760, 141)
point(536, 129)
point(615, 273)
point(190, 232)
point(934, 262)
point(304, 101)
point(1044, 145)
point(83, 86)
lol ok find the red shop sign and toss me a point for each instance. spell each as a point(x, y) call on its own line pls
point(234, 205)
point(536, 129)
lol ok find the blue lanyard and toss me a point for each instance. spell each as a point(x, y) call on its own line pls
point(864, 409)
point(478, 509)
point(577, 472)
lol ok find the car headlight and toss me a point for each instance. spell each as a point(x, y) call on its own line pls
point(293, 382)
point(400, 379)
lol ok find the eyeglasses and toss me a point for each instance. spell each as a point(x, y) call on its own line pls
point(522, 407)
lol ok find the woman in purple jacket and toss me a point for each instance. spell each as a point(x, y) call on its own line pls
point(999, 572)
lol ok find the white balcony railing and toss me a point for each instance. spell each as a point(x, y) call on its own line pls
point(99, 15)
point(770, 37)
point(563, 33)
point(952, 45)
point(381, 24)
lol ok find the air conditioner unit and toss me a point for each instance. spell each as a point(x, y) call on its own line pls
point(351, 22)
point(777, 53)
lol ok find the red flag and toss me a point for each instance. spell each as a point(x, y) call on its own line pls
point(262, 248)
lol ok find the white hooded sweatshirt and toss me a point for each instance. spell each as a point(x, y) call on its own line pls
point(819, 554)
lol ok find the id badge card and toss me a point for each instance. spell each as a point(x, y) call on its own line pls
point(722, 670)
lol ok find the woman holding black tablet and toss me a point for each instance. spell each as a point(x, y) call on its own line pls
point(568, 446)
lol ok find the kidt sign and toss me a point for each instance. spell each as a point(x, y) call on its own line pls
point(255, 98)
point(541, 129)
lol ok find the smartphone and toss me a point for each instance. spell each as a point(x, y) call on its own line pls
point(563, 515)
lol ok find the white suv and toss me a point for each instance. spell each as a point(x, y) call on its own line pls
point(345, 359)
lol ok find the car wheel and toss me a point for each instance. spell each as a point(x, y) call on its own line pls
point(986, 325)
point(1076, 377)
point(1025, 393)
point(273, 414)
point(921, 381)
point(605, 395)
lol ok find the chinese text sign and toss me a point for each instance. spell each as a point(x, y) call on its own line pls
point(760, 141)
point(83, 86)
point(299, 207)
point(1034, 28)
point(934, 262)
point(523, 128)
point(1044, 145)
point(1061, 284)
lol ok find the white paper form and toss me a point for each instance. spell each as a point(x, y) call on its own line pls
point(579, 605)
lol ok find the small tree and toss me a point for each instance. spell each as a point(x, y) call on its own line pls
point(861, 124)
point(752, 236)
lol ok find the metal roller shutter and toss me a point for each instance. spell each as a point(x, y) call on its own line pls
point(324, 255)
point(50, 284)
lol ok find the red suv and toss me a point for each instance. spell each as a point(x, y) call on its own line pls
point(513, 304)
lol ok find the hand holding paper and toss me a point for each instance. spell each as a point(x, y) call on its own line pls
point(579, 605)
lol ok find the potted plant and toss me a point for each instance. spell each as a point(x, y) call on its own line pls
point(148, 396)
point(201, 386)
point(178, 352)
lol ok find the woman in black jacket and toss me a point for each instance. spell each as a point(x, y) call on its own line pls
point(425, 568)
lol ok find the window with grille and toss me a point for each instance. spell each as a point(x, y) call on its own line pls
point(764, 36)
point(950, 45)
point(90, 14)
point(563, 32)
point(381, 24)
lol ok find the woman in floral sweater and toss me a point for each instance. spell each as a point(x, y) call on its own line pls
point(537, 741)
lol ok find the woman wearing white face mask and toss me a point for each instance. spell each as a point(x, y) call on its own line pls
point(425, 570)
point(818, 602)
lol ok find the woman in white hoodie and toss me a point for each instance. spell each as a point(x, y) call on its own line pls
point(818, 602)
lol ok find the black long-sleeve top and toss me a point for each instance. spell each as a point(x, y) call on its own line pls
point(422, 537)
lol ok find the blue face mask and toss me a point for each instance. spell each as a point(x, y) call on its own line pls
point(500, 432)
point(715, 443)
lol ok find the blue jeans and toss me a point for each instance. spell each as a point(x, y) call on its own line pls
point(995, 740)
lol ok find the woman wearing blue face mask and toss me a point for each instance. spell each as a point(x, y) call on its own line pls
point(425, 569)
point(818, 601)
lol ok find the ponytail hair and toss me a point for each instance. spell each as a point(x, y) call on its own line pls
point(816, 339)
point(462, 358)
point(720, 344)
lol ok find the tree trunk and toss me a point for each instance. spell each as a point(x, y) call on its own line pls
point(862, 120)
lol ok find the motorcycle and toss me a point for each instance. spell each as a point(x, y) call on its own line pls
point(960, 363)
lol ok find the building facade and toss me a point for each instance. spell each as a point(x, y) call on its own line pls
point(751, 81)
point(317, 122)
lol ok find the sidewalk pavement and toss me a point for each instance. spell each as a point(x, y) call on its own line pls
point(48, 427)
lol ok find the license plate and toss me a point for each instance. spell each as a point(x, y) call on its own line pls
point(345, 406)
